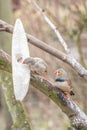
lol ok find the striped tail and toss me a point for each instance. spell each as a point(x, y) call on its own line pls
point(72, 93)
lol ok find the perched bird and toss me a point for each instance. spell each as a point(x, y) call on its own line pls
point(37, 65)
point(63, 82)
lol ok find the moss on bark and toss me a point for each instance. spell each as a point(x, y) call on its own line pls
point(16, 109)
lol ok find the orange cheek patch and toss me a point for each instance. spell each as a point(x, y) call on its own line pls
point(60, 73)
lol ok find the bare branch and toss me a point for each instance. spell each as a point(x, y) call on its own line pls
point(20, 120)
point(54, 28)
point(5, 26)
point(2, 29)
point(5, 60)
point(77, 118)
point(58, 54)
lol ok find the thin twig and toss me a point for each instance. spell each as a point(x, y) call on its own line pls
point(54, 28)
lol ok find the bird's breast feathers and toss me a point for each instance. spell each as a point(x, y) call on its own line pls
point(63, 86)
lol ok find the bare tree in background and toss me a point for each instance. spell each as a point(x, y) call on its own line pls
point(77, 118)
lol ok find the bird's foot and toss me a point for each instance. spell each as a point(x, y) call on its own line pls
point(35, 72)
point(67, 96)
point(44, 75)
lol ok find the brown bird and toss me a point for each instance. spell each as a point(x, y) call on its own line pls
point(63, 82)
point(37, 65)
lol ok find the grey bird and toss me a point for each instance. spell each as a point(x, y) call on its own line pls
point(63, 82)
point(37, 65)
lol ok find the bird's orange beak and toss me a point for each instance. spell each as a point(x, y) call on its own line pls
point(54, 72)
point(23, 62)
point(58, 73)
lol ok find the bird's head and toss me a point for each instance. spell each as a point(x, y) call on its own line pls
point(60, 74)
point(27, 61)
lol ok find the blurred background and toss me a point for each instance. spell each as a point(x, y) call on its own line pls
point(70, 17)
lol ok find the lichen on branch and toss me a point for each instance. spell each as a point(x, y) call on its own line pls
point(77, 117)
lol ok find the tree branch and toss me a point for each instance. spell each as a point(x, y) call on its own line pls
point(77, 118)
point(15, 107)
point(58, 54)
point(5, 60)
point(53, 27)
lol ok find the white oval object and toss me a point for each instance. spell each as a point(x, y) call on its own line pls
point(20, 72)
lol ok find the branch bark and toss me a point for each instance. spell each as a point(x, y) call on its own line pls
point(20, 121)
point(16, 109)
point(53, 27)
point(66, 58)
point(77, 118)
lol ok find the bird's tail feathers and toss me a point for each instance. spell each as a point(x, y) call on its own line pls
point(72, 93)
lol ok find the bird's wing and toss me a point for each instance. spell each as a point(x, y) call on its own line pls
point(20, 72)
point(69, 83)
point(37, 59)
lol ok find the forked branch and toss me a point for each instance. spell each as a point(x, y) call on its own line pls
point(58, 54)
point(77, 118)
